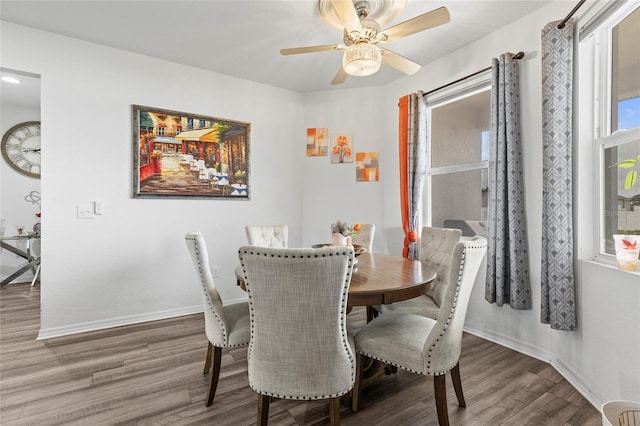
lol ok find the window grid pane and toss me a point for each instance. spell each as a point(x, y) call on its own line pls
point(620, 211)
point(459, 142)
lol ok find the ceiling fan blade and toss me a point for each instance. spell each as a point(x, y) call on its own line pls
point(340, 77)
point(310, 49)
point(399, 62)
point(422, 22)
point(346, 13)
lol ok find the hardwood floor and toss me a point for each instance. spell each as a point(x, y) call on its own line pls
point(151, 374)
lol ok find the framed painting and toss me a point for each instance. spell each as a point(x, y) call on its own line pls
point(367, 168)
point(342, 148)
point(182, 155)
point(317, 140)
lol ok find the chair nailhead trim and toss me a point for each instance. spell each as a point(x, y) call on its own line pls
point(206, 293)
point(453, 308)
point(225, 336)
point(298, 397)
point(343, 317)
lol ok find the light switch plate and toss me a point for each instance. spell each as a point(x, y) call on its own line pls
point(98, 207)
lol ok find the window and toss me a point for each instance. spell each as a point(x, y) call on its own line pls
point(458, 156)
point(617, 130)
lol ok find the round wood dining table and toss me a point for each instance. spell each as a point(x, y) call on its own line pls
point(379, 279)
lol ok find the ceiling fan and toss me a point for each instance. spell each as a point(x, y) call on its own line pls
point(361, 21)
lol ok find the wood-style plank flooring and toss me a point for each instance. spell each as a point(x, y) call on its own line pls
point(151, 374)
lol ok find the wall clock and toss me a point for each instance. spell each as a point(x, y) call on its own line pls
point(21, 148)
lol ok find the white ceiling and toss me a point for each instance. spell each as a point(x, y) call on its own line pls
point(242, 38)
point(26, 94)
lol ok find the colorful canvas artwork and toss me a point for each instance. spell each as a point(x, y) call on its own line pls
point(367, 168)
point(342, 148)
point(183, 155)
point(317, 142)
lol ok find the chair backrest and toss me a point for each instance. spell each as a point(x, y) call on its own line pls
point(364, 237)
point(216, 324)
point(268, 235)
point(436, 249)
point(442, 348)
point(297, 301)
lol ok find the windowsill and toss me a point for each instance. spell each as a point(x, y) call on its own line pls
point(606, 263)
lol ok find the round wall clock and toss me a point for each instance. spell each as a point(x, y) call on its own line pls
point(21, 148)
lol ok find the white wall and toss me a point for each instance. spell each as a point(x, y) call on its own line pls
point(132, 264)
point(13, 188)
point(330, 190)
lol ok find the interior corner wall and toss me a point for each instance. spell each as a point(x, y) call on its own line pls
point(331, 190)
point(131, 264)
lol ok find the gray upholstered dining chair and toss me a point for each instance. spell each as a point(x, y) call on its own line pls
point(364, 237)
point(436, 249)
point(423, 345)
point(267, 235)
point(226, 326)
point(299, 344)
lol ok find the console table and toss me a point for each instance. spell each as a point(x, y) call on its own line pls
point(33, 262)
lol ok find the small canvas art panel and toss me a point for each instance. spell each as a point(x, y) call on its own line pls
point(182, 155)
point(367, 169)
point(342, 148)
point(317, 142)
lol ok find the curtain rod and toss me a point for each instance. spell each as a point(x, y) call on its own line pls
point(518, 55)
point(564, 21)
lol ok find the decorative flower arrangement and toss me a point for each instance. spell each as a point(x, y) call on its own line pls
point(342, 227)
point(37, 227)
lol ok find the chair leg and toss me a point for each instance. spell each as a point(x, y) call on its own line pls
point(457, 385)
point(355, 398)
point(371, 313)
point(440, 388)
point(346, 398)
point(213, 383)
point(207, 360)
point(263, 409)
point(334, 411)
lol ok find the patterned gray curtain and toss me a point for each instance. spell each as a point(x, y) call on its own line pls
point(416, 162)
point(558, 290)
point(507, 255)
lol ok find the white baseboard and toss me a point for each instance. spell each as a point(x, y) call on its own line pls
point(535, 352)
point(48, 333)
point(511, 343)
point(576, 381)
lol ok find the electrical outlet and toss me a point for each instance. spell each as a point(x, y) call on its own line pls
point(215, 271)
point(85, 211)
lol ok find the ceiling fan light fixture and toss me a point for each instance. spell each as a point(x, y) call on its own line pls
point(361, 59)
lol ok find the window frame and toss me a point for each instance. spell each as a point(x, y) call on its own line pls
point(597, 47)
point(471, 86)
